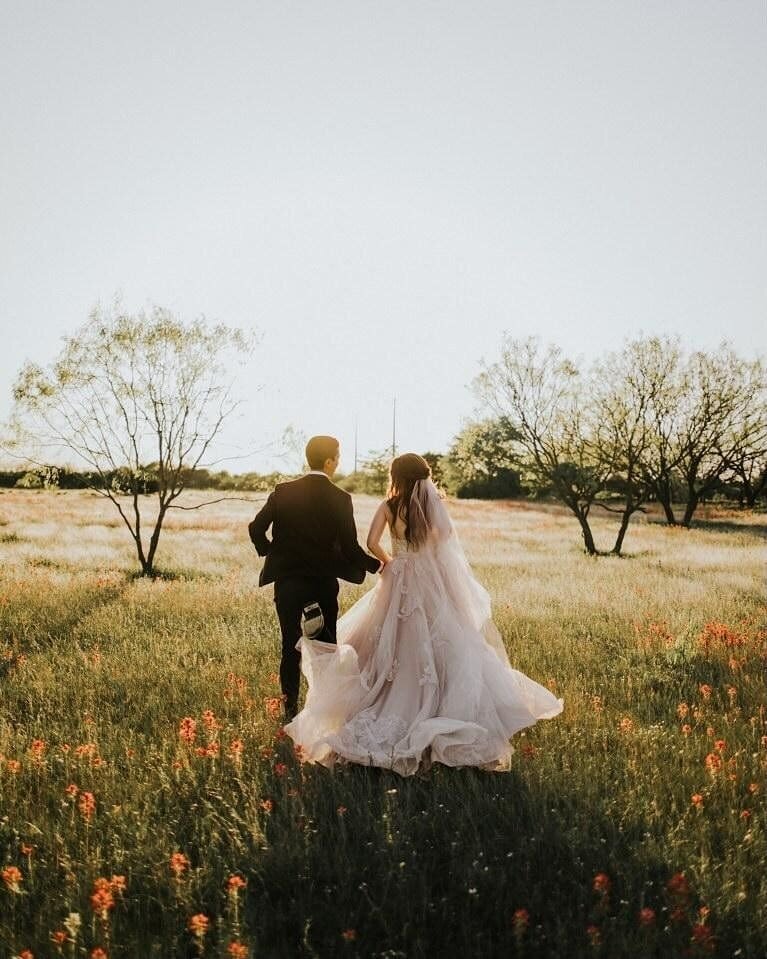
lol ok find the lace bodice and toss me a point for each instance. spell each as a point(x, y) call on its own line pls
point(399, 544)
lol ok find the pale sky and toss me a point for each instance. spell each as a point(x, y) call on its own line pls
point(382, 188)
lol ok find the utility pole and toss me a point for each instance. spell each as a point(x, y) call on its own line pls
point(355, 445)
point(394, 430)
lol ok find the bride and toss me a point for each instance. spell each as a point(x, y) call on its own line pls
point(420, 673)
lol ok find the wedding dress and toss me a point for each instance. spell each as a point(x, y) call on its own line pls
point(420, 673)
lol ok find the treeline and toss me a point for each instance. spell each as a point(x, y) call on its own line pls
point(650, 422)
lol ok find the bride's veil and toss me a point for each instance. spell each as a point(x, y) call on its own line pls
point(443, 546)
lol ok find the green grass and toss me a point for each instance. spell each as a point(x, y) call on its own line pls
point(100, 668)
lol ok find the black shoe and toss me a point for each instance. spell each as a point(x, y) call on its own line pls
point(290, 711)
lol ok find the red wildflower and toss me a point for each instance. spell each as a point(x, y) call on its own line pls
point(87, 805)
point(178, 864)
point(267, 805)
point(594, 935)
point(713, 763)
point(236, 950)
point(601, 883)
point(12, 877)
point(646, 917)
point(102, 899)
point(187, 730)
point(703, 937)
point(349, 935)
point(234, 884)
point(280, 769)
point(198, 925)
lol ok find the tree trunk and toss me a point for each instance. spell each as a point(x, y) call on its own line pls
point(625, 520)
point(667, 509)
point(153, 542)
point(588, 537)
point(693, 498)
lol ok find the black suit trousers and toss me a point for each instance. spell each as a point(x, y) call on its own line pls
point(290, 596)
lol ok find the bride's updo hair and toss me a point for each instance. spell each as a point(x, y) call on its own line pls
point(406, 471)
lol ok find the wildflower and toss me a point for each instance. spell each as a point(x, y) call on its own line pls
point(235, 749)
point(705, 690)
point(198, 925)
point(267, 805)
point(59, 938)
point(745, 815)
point(98, 953)
point(87, 805)
point(753, 788)
point(37, 749)
point(341, 811)
point(594, 935)
point(178, 864)
point(12, 877)
point(720, 745)
point(273, 706)
point(697, 800)
point(601, 883)
point(626, 725)
point(682, 710)
point(209, 718)
point(26, 954)
point(528, 751)
point(13, 766)
point(26, 849)
point(72, 924)
point(646, 917)
point(234, 884)
point(678, 885)
point(187, 730)
point(703, 937)
point(280, 769)
point(597, 704)
point(687, 729)
point(732, 692)
point(520, 920)
point(280, 734)
point(349, 935)
point(236, 950)
point(710, 732)
point(713, 763)
point(299, 752)
point(102, 899)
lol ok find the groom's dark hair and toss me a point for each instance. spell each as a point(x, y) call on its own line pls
point(319, 449)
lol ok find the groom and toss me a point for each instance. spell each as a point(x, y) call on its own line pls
point(314, 541)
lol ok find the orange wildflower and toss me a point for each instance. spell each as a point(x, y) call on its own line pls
point(102, 899)
point(13, 766)
point(745, 814)
point(12, 877)
point(697, 800)
point(87, 805)
point(705, 690)
point(234, 884)
point(187, 730)
point(720, 745)
point(98, 953)
point(178, 864)
point(349, 935)
point(236, 747)
point(198, 925)
point(713, 763)
point(37, 748)
point(60, 938)
point(626, 724)
point(26, 849)
point(687, 729)
point(237, 950)
point(267, 805)
point(682, 710)
point(601, 883)
point(209, 718)
point(26, 954)
point(273, 706)
point(521, 920)
point(71, 791)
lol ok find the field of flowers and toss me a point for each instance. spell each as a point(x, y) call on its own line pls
point(150, 805)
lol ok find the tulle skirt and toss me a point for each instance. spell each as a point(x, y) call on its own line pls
point(419, 675)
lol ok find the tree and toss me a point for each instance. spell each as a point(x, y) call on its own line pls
point(129, 391)
point(718, 400)
point(481, 461)
point(540, 394)
point(621, 410)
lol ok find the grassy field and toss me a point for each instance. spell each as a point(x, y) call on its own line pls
point(149, 805)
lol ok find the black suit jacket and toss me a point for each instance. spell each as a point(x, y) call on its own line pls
point(313, 533)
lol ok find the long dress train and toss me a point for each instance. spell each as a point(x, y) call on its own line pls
point(420, 673)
